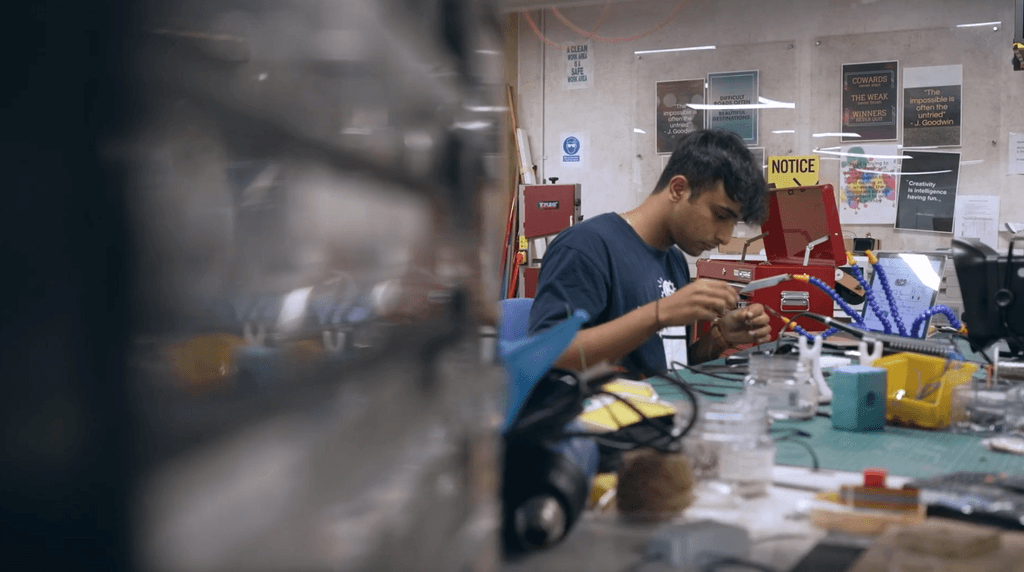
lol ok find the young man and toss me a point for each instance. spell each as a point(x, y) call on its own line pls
point(623, 269)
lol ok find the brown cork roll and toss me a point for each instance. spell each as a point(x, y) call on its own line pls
point(654, 486)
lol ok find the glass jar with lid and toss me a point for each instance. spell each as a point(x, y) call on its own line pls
point(787, 385)
point(730, 445)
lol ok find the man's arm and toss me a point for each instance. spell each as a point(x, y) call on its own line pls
point(610, 341)
point(708, 347)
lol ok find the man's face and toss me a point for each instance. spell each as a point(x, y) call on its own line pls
point(702, 223)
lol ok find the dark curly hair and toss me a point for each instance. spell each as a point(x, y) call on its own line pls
point(710, 155)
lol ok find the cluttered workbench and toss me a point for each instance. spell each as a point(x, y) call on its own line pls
point(874, 448)
point(902, 451)
point(781, 534)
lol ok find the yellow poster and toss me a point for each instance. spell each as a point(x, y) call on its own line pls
point(789, 171)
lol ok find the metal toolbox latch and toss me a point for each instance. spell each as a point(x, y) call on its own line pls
point(795, 301)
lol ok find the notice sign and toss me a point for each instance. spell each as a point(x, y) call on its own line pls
point(786, 172)
point(673, 117)
point(573, 150)
point(731, 90)
point(927, 195)
point(579, 66)
point(869, 101)
point(931, 106)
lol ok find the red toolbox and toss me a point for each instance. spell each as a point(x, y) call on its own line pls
point(798, 217)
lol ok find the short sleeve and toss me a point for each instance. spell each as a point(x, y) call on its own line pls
point(569, 280)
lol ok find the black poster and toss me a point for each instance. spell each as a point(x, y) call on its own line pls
point(931, 116)
point(870, 93)
point(674, 118)
point(927, 192)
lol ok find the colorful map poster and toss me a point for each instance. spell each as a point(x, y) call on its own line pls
point(870, 92)
point(931, 106)
point(731, 89)
point(673, 118)
point(867, 184)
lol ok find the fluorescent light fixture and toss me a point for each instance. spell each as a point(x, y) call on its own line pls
point(472, 125)
point(487, 108)
point(781, 131)
point(356, 131)
point(974, 162)
point(866, 156)
point(690, 49)
point(903, 172)
point(762, 103)
point(638, 130)
point(979, 24)
point(835, 134)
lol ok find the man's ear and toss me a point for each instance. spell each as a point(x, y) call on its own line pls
point(678, 189)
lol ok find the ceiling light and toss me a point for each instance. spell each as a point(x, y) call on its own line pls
point(762, 103)
point(690, 49)
point(979, 24)
point(865, 155)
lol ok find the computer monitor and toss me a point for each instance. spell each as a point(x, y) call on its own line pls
point(991, 285)
point(914, 281)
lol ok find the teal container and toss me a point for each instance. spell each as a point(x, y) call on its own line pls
point(859, 396)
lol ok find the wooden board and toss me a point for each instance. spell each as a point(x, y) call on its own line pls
point(885, 553)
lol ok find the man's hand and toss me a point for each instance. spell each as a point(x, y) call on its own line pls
point(699, 300)
point(745, 326)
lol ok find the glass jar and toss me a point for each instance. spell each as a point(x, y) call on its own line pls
point(977, 408)
point(730, 445)
point(787, 385)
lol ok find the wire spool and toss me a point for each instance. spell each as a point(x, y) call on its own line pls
point(653, 486)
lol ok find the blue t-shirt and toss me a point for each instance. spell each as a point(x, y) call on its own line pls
point(603, 266)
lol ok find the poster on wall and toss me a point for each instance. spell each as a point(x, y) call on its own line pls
point(931, 106)
point(1015, 165)
point(870, 92)
point(977, 216)
point(572, 149)
point(579, 66)
point(673, 117)
point(927, 192)
point(867, 184)
point(731, 89)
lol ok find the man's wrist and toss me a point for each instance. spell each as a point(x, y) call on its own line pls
point(719, 339)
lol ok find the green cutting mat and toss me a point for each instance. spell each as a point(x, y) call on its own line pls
point(899, 450)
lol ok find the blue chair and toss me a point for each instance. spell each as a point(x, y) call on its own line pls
point(514, 319)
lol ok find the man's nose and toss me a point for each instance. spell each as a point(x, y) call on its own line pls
point(724, 234)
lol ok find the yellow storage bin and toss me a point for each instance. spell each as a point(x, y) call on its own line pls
point(920, 388)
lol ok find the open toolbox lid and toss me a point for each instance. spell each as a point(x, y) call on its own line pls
point(797, 217)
